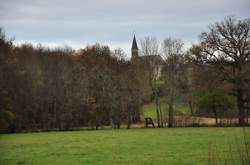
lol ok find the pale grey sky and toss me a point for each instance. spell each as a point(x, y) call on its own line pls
point(112, 22)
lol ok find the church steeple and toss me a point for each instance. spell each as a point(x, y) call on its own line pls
point(134, 49)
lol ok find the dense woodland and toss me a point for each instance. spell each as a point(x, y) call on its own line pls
point(60, 88)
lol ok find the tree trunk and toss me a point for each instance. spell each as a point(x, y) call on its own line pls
point(129, 123)
point(171, 114)
point(240, 105)
point(191, 107)
point(157, 109)
point(118, 125)
point(129, 119)
point(96, 123)
point(216, 117)
point(111, 121)
point(161, 120)
point(247, 111)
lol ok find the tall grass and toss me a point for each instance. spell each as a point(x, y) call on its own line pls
point(244, 152)
point(239, 151)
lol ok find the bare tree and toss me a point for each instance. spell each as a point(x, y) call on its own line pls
point(173, 69)
point(226, 46)
point(152, 61)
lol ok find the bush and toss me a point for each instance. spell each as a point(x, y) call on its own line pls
point(6, 120)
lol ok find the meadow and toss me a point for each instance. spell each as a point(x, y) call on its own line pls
point(131, 147)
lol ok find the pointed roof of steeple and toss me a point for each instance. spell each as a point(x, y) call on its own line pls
point(134, 44)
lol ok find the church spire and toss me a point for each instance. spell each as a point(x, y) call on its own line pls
point(134, 48)
point(134, 44)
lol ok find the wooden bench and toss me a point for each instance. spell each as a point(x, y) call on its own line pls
point(149, 121)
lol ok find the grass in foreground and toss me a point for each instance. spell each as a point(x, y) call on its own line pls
point(135, 146)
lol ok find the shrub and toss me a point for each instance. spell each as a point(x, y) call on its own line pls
point(6, 119)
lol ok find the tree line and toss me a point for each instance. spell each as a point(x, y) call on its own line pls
point(42, 88)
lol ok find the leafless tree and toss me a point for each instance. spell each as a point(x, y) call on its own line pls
point(226, 46)
point(173, 70)
point(153, 65)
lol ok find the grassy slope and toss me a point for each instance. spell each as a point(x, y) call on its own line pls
point(136, 146)
point(149, 110)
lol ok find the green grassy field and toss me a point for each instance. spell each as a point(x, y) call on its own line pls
point(130, 147)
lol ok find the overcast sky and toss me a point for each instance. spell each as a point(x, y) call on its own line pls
point(112, 22)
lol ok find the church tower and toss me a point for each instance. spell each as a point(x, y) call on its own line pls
point(134, 49)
